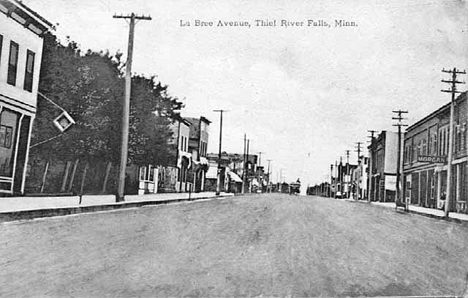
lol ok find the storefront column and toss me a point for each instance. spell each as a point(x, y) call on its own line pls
point(26, 160)
point(15, 158)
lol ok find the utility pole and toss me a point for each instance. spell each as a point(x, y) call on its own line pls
point(348, 194)
point(246, 167)
point(336, 178)
point(218, 184)
point(126, 105)
point(399, 124)
point(453, 91)
point(369, 189)
point(340, 176)
point(244, 164)
point(358, 189)
point(268, 173)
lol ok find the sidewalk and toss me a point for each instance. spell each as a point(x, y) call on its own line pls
point(430, 212)
point(16, 208)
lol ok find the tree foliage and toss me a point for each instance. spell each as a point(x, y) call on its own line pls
point(90, 87)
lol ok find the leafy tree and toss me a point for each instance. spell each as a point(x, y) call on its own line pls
point(90, 87)
point(151, 113)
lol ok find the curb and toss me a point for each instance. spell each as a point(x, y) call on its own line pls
point(449, 219)
point(52, 212)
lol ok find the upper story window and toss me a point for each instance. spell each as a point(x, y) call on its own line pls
point(28, 76)
point(13, 63)
point(1, 45)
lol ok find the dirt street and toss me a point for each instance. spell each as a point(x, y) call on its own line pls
point(260, 245)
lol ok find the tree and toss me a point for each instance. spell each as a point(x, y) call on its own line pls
point(151, 113)
point(90, 87)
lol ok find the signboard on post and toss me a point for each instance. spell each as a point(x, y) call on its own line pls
point(432, 159)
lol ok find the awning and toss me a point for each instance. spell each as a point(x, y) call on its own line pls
point(184, 157)
point(212, 172)
point(204, 161)
point(234, 177)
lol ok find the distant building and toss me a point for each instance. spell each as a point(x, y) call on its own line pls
point(21, 41)
point(383, 152)
point(425, 158)
point(198, 148)
point(181, 133)
point(232, 172)
point(360, 178)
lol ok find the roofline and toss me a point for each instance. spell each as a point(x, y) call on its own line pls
point(35, 14)
point(436, 112)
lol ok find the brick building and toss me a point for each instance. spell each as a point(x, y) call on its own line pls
point(425, 158)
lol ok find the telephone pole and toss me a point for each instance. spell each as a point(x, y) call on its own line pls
point(358, 188)
point(218, 182)
point(399, 124)
point(260, 180)
point(244, 163)
point(126, 105)
point(268, 173)
point(369, 188)
point(348, 193)
point(453, 91)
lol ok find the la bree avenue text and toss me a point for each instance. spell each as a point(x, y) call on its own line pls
point(319, 23)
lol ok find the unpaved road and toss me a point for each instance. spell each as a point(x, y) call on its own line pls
point(262, 245)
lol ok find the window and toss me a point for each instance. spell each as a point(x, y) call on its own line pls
point(28, 76)
point(1, 44)
point(13, 63)
point(5, 136)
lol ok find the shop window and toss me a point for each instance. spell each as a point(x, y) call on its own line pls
point(8, 124)
point(13, 63)
point(6, 135)
point(29, 72)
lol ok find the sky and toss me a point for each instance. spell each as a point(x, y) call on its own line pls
point(303, 94)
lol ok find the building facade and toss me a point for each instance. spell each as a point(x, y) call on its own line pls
point(198, 148)
point(425, 161)
point(21, 42)
point(383, 152)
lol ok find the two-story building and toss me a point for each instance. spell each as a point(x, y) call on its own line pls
point(425, 162)
point(198, 148)
point(383, 154)
point(21, 42)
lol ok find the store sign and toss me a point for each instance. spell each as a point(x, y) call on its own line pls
point(432, 159)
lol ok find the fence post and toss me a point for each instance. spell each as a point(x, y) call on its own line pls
point(70, 186)
point(83, 180)
point(44, 176)
point(106, 177)
point(65, 177)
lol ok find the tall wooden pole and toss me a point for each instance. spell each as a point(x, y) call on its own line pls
point(126, 105)
point(453, 90)
point(218, 184)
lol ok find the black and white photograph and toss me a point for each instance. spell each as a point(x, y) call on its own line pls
point(181, 148)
